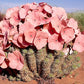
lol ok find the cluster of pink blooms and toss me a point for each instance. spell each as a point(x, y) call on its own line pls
point(36, 25)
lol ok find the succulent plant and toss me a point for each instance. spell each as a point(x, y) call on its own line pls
point(34, 47)
point(43, 63)
point(40, 56)
point(31, 60)
point(46, 64)
point(26, 74)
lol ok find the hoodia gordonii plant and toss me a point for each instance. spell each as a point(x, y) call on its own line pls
point(38, 41)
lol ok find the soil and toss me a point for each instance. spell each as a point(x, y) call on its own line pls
point(77, 77)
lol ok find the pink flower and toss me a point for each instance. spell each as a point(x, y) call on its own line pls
point(12, 32)
point(26, 7)
point(16, 60)
point(14, 20)
point(3, 63)
point(2, 56)
point(38, 24)
point(37, 18)
point(22, 13)
point(56, 24)
point(46, 28)
point(5, 26)
point(72, 23)
point(25, 27)
point(67, 34)
point(4, 23)
point(49, 29)
point(33, 18)
point(55, 42)
point(10, 11)
point(40, 40)
point(5, 40)
point(15, 41)
point(30, 35)
point(21, 40)
point(48, 9)
point(59, 12)
point(79, 43)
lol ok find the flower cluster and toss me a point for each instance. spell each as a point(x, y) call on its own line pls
point(37, 25)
